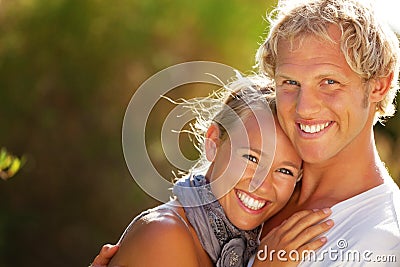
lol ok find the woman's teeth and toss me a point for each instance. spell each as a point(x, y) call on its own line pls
point(248, 201)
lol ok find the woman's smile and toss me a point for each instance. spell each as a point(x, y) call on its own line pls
point(249, 202)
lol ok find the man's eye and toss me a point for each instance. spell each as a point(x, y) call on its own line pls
point(330, 81)
point(291, 82)
point(285, 171)
point(251, 158)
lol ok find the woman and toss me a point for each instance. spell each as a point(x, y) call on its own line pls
point(217, 215)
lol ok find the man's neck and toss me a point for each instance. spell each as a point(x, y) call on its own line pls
point(351, 172)
point(354, 170)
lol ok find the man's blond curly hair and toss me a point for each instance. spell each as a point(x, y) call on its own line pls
point(370, 47)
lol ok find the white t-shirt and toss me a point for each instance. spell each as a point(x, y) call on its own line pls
point(366, 231)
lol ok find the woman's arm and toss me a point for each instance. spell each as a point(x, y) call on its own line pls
point(161, 240)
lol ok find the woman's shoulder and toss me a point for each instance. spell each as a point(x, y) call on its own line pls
point(159, 234)
point(162, 218)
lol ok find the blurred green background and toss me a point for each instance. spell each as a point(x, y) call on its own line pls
point(68, 69)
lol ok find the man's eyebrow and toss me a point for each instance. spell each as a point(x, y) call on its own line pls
point(282, 75)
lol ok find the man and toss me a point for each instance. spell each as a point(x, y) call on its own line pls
point(336, 69)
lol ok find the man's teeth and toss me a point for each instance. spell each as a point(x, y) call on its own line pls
point(250, 202)
point(313, 128)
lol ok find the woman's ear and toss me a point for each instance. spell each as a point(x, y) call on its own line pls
point(380, 88)
point(212, 141)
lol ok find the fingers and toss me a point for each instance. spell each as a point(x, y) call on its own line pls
point(312, 232)
point(299, 233)
point(313, 245)
point(105, 255)
point(302, 219)
point(302, 227)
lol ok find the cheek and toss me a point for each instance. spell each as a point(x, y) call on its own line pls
point(354, 98)
point(285, 100)
point(226, 175)
point(233, 167)
point(284, 191)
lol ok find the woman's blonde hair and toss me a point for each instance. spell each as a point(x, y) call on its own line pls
point(370, 47)
point(234, 101)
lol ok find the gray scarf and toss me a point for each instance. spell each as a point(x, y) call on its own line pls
point(225, 243)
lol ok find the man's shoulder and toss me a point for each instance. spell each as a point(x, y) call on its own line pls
point(377, 204)
point(366, 227)
point(371, 219)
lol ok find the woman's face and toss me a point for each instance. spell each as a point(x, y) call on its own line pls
point(245, 155)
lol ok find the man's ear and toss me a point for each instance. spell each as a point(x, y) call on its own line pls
point(380, 88)
point(212, 141)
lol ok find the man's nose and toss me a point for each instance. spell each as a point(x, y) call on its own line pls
point(308, 103)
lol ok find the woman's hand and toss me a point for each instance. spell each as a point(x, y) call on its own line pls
point(105, 255)
point(285, 244)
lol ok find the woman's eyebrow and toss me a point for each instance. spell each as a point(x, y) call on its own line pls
point(292, 164)
point(258, 151)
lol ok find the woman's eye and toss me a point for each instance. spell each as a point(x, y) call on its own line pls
point(285, 171)
point(251, 158)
